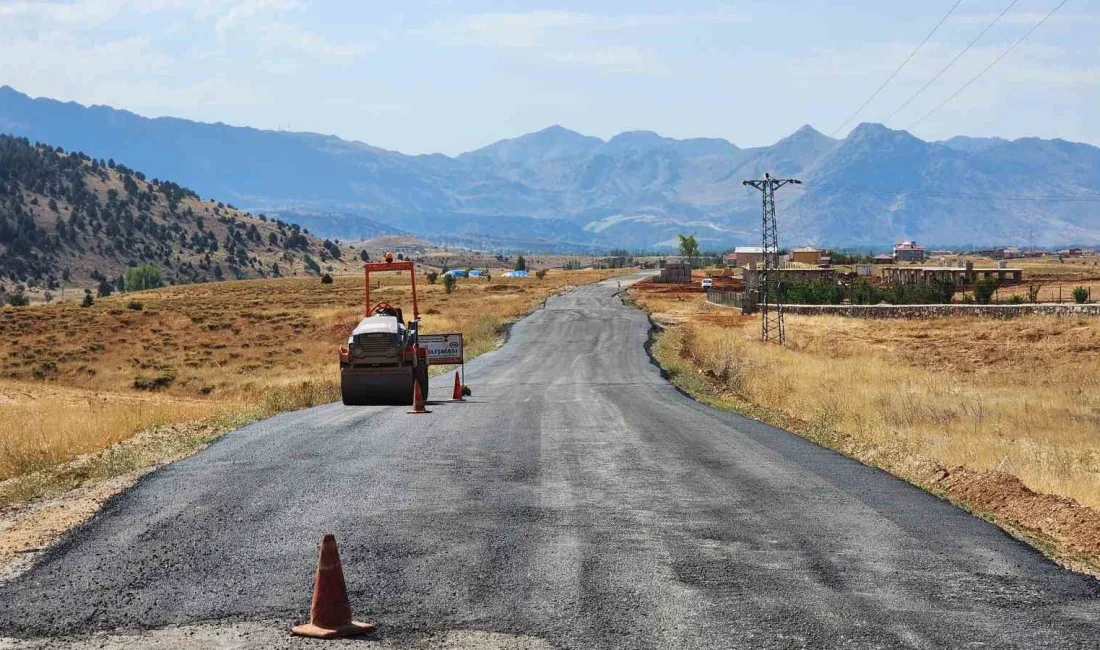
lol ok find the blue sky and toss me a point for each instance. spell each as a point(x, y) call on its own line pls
point(423, 77)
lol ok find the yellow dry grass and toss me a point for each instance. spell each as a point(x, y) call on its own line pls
point(76, 380)
point(44, 429)
point(1020, 396)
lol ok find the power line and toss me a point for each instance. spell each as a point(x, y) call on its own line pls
point(957, 57)
point(897, 70)
point(894, 191)
point(986, 69)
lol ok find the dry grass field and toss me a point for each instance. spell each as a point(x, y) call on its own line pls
point(76, 380)
point(1014, 397)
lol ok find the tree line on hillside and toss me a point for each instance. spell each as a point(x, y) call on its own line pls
point(144, 222)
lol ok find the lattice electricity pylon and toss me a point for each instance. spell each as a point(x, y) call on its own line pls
point(771, 303)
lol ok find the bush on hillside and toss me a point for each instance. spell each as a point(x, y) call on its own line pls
point(140, 278)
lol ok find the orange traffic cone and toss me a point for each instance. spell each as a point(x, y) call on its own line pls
point(330, 613)
point(418, 400)
point(457, 394)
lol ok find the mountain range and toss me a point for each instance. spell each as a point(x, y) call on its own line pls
point(556, 189)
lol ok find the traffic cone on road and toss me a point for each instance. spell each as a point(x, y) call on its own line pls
point(330, 613)
point(418, 400)
point(456, 395)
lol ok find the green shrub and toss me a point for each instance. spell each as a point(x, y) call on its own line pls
point(326, 279)
point(984, 290)
point(449, 283)
point(311, 264)
point(87, 302)
point(864, 293)
point(1080, 295)
point(540, 274)
point(932, 293)
point(140, 278)
point(432, 277)
point(135, 305)
point(1015, 299)
point(18, 300)
point(810, 293)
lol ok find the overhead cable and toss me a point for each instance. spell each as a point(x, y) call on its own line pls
point(952, 62)
point(896, 70)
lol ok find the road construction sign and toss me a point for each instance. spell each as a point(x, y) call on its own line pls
point(443, 349)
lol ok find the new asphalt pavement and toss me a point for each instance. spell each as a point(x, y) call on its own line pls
point(576, 500)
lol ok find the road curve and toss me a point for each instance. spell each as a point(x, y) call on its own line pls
point(578, 499)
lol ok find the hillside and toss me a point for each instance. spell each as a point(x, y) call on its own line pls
point(68, 218)
point(560, 190)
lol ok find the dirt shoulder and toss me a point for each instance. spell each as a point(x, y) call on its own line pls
point(43, 506)
point(1062, 528)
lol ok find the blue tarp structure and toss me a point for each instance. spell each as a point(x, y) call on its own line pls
point(475, 273)
point(516, 274)
point(456, 273)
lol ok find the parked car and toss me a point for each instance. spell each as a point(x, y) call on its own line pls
point(708, 283)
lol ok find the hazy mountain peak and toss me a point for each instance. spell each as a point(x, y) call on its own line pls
point(636, 140)
point(870, 129)
point(807, 131)
point(552, 143)
point(970, 144)
point(559, 131)
point(875, 134)
point(807, 136)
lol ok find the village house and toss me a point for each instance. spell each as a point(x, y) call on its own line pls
point(908, 251)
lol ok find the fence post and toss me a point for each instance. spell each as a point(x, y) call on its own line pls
point(1059, 294)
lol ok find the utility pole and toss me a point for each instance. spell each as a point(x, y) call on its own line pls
point(771, 304)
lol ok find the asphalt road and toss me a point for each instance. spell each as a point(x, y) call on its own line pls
point(576, 501)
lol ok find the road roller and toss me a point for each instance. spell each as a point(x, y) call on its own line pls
point(383, 359)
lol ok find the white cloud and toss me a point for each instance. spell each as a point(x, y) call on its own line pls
point(94, 13)
point(245, 13)
point(290, 38)
point(534, 28)
point(615, 58)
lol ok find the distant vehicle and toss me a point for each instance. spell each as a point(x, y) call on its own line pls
point(708, 283)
